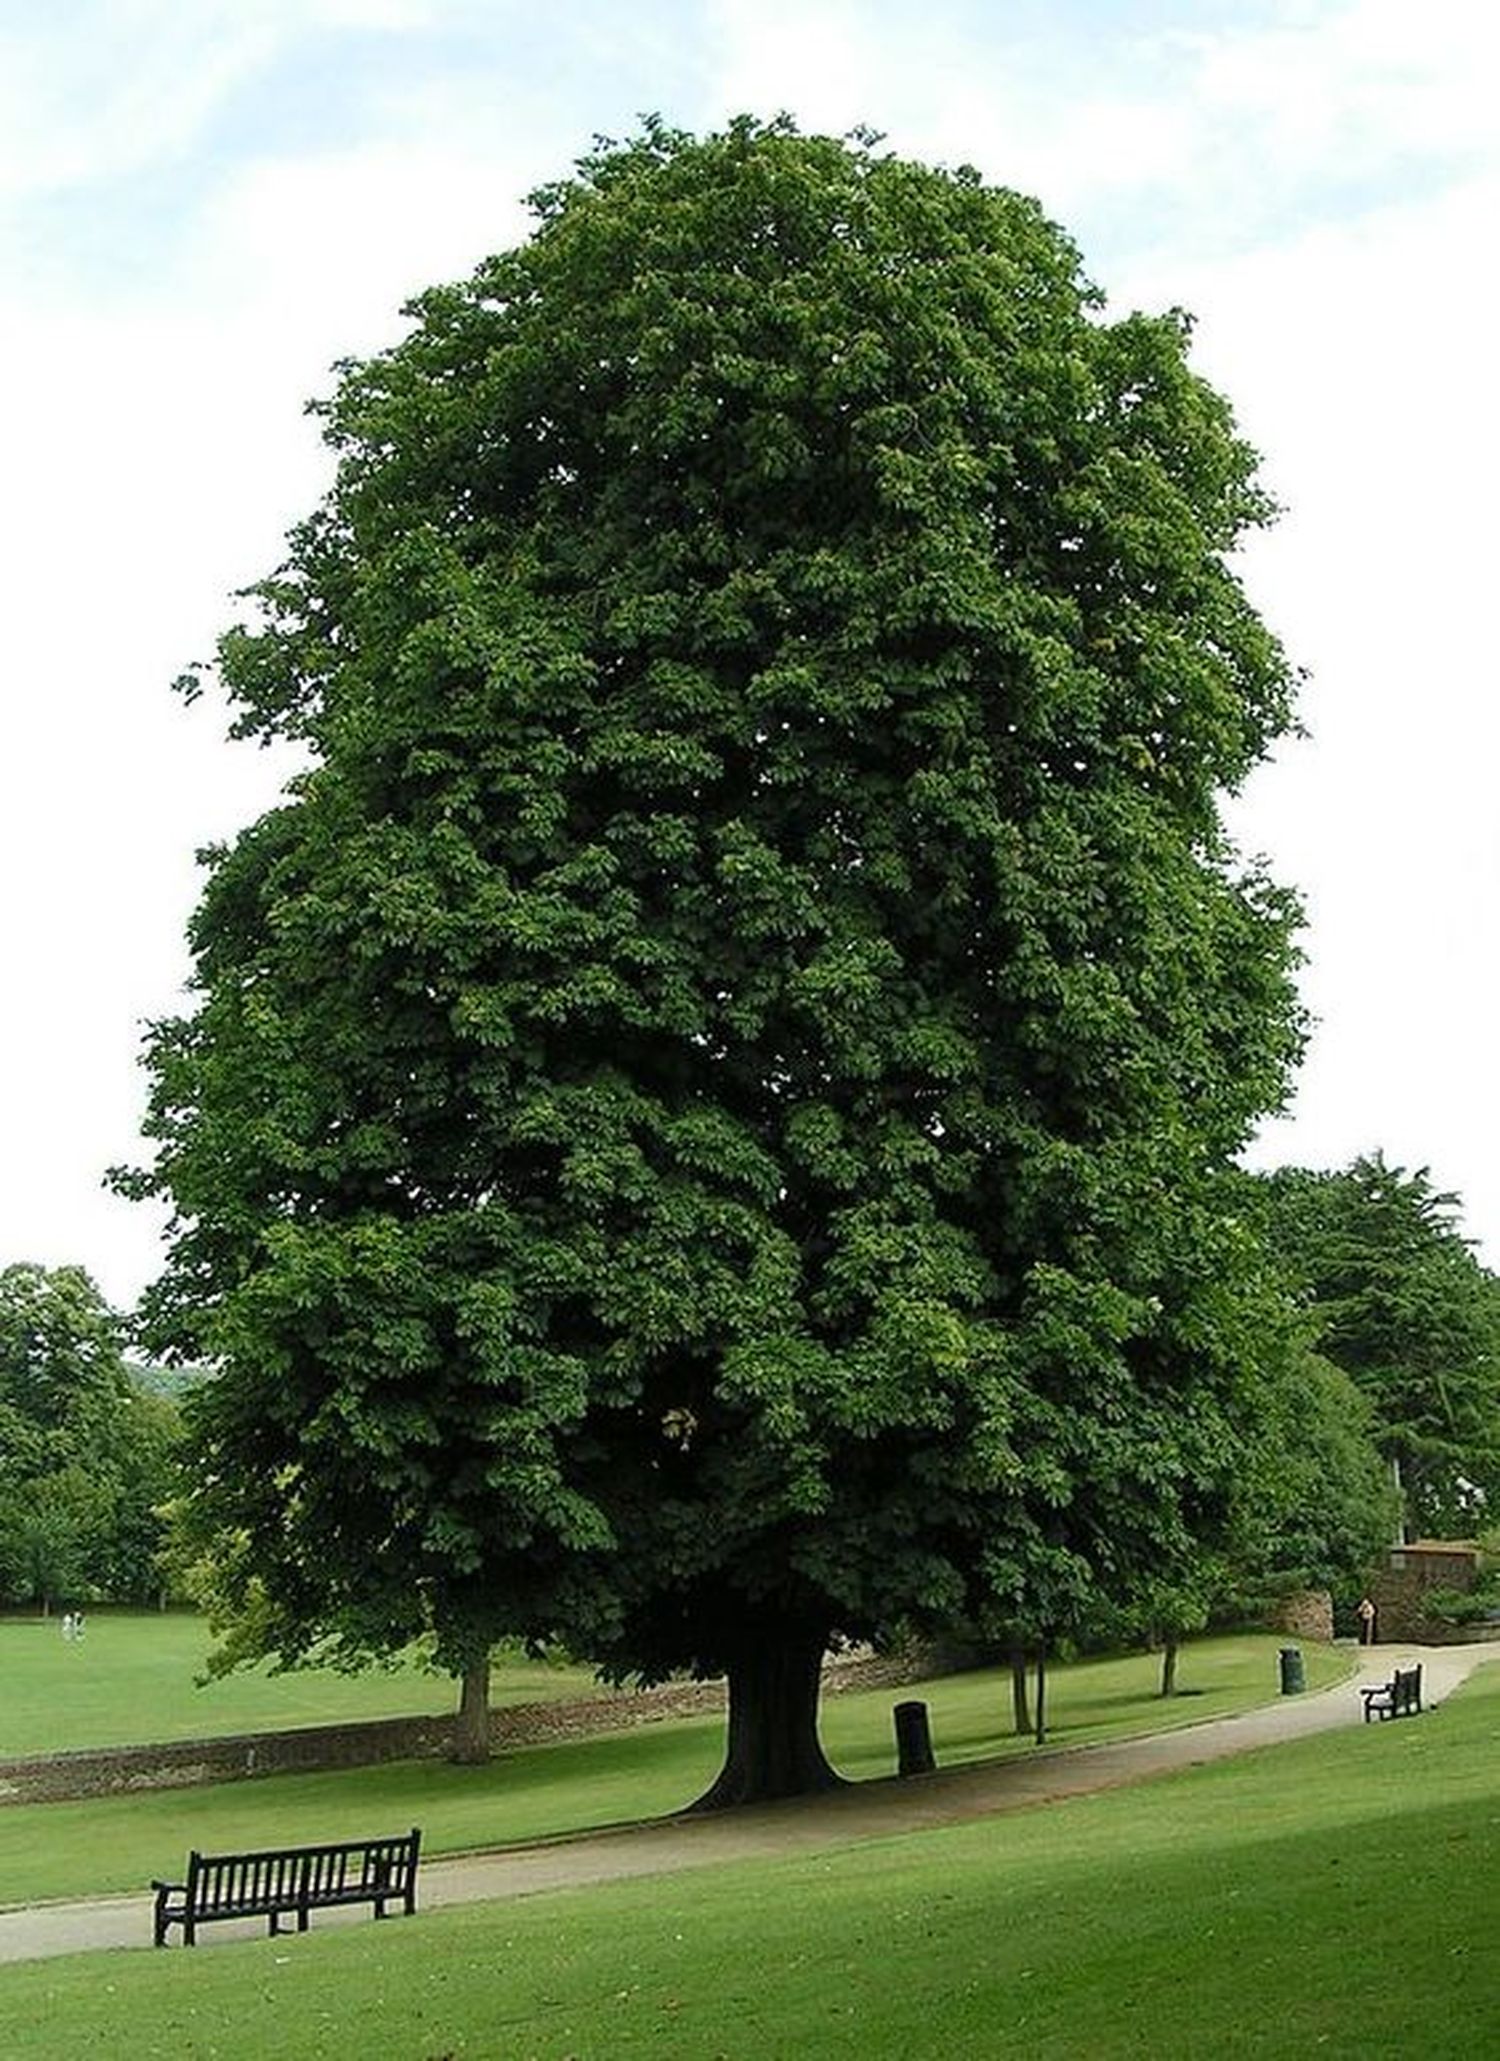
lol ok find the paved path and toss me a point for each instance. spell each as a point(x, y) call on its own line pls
point(867, 1810)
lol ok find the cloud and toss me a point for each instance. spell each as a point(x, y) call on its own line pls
point(1356, 85)
point(138, 85)
point(1231, 136)
point(1361, 360)
point(102, 90)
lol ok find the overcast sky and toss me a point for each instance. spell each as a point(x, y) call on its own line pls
point(203, 203)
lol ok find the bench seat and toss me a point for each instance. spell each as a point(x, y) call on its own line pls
point(1401, 1696)
point(289, 1882)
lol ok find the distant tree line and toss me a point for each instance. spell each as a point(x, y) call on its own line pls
point(86, 1447)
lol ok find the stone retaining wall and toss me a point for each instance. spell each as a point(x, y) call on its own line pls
point(1436, 1633)
point(187, 1763)
point(1306, 1615)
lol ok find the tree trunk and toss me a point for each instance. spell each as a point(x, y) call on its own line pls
point(1169, 1665)
point(773, 1747)
point(1403, 1529)
point(1020, 1702)
point(471, 1728)
point(1041, 1695)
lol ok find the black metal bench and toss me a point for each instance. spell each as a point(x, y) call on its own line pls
point(290, 1881)
point(1401, 1696)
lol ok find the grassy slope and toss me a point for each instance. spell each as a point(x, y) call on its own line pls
point(131, 1679)
point(1335, 1895)
point(120, 1842)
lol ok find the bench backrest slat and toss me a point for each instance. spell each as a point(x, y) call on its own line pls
point(327, 1870)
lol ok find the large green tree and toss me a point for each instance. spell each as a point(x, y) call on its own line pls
point(694, 1129)
point(1400, 1301)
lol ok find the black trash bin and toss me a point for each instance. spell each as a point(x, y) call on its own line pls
point(914, 1755)
point(1293, 1679)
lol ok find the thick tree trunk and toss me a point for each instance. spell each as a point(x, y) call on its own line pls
point(1020, 1692)
point(1041, 1695)
point(471, 1728)
point(773, 1747)
point(1169, 1665)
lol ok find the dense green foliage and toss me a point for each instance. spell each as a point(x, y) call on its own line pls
point(1312, 1505)
point(1400, 1302)
point(85, 1449)
point(1319, 1505)
point(696, 1130)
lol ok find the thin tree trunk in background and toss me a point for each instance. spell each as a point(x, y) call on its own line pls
point(471, 1728)
point(1041, 1695)
point(1169, 1665)
point(1020, 1699)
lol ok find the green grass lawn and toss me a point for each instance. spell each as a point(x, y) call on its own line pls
point(1331, 1896)
point(120, 1842)
point(131, 1680)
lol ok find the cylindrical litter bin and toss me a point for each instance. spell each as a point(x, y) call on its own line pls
point(914, 1754)
point(1293, 1679)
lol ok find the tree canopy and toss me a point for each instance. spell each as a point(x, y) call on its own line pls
point(697, 1128)
point(1401, 1303)
point(1312, 1505)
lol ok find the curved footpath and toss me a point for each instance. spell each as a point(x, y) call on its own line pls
point(866, 1810)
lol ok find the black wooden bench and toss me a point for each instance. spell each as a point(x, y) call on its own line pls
point(1401, 1696)
point(289, 1881)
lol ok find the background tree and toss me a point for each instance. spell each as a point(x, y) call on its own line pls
point(1311, 1504)
point(694, 1136)
point(1313, 1507)
point(53, 1538)
point(86, 1453)
point(1400, 1303)
point(1319, 1504)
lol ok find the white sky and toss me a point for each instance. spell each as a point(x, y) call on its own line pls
point(204, 202)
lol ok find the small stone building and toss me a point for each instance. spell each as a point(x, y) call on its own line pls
point(1399, 1589)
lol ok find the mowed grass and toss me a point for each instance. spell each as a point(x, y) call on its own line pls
point(132, 1679)
point(120, 1842)
point(1331, 1896)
